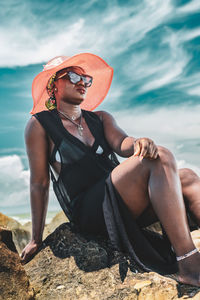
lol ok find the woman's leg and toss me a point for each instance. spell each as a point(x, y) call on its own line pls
point(190, 183)
point(157, 182)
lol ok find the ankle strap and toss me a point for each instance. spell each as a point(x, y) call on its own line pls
point(178, 258)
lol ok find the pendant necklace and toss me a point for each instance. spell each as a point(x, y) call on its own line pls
point(79, 126)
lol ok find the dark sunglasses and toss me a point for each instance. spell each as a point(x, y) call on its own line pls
point(75, 78)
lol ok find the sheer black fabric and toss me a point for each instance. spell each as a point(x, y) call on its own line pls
point(89, 199)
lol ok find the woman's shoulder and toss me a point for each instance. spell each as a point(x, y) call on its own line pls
point(37, 120)
point(33, 127)
point(96, 115)
point(99, 114)
point(104, 115)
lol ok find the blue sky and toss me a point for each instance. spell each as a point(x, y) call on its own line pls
point(153, 46)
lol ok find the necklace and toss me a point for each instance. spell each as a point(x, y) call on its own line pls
point(79, 126)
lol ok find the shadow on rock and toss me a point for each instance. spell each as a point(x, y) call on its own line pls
point(91, 253)
point(70, 265)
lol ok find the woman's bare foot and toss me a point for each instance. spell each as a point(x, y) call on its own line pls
point(189, 270)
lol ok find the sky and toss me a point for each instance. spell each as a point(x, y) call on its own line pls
point(153, 46)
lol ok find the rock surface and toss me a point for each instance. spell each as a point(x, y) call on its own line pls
point(14, 283)
point(70, 266)
point(196, 238)
point(21, 235)
point(59, 219)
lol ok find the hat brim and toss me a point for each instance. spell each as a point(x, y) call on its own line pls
point(93, 65)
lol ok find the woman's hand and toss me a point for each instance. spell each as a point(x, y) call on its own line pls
point(29, 251)
point(145, 148)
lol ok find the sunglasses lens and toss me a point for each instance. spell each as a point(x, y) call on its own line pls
point(75, 78)
point(87, 80)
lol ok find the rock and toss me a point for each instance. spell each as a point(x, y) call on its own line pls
point(155, 227)
point(59, 219)
point(196, 238)
point(14, 283)
point(27, 226)
point(6, 238)
point(72, 266)
point(21, 236)
point(139, 285)
point(8, 222)
point(22, 233)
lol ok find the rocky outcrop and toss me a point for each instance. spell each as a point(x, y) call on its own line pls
point(21, 235)
point(59, 219)
point(70, 266)
point(14, 283)
point(196, 238)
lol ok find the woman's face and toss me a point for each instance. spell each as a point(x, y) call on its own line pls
point(70, 92)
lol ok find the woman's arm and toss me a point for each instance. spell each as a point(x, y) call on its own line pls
point(123, 144)
point(37, 150)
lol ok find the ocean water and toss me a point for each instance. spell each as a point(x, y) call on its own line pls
point(154, 48)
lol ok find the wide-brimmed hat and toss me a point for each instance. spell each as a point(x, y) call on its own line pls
point(93, 65)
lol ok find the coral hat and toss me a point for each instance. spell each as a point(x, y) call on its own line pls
point(93, 65)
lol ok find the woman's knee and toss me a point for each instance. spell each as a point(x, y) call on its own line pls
point(166, 157)
point(188, 177)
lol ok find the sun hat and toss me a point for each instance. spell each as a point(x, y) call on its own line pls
point(93, 65)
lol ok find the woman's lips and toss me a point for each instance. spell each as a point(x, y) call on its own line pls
point(81, 90)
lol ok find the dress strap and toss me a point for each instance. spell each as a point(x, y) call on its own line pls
point(50, 121)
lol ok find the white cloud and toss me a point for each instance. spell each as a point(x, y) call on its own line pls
point(161, 66)
point(174, 128)
point(164, 125)
point(119, 28)
point(127, 26)
point(14, 182)
point(166, 78)
point(195, 91)
point(187, 35)
point(191, 7)
point(190, 84)
point(30, 50)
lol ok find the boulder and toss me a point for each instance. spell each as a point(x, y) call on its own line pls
point(8, 222)
point(73, 266)
point(22, 233)
point(21, 236)
point(14, 283)
point(59, 219)
point(196, 238)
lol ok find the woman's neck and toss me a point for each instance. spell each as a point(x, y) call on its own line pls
point(72, 110)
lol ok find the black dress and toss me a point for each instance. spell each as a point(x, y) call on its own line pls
point(87, 196)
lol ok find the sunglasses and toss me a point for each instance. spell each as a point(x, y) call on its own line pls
point(75, 78)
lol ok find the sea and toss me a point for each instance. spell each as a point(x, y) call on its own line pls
point(154, 49)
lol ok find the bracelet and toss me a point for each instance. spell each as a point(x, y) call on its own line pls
point(178, 258)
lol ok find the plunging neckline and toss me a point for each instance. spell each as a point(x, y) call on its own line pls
point(77, 139)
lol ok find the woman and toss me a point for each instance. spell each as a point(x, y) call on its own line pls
point(98, 194)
